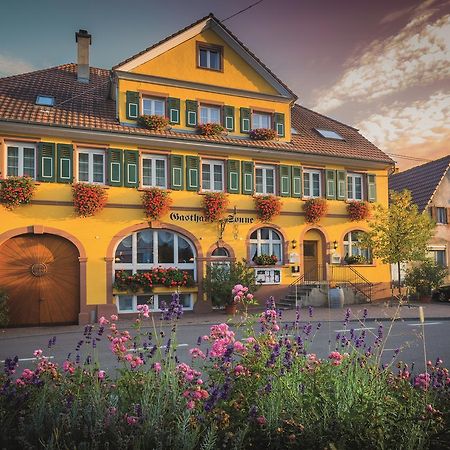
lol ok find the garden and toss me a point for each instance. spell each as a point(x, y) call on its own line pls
point(251, 386)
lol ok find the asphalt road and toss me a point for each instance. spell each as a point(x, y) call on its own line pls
point(404, 335)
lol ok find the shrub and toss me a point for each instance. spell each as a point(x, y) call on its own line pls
point(315, 209)
point(265, 260)
point(263, 134)
point(156, 203)
point(215, 205)
point(210, 129)
point(4, 309)
point(15, 191)
point(267, 207)
point(425, 276)
point(153, 122)
point(88, 199)
point(358, 210)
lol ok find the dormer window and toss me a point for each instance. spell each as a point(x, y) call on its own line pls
point(209, 56)
point(153, 106)
point(261, 120)
point(45, 100)
point(209, 114)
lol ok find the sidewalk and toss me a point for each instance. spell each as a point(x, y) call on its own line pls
point(375, 311)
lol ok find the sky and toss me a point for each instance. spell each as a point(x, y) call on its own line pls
point(381, 66)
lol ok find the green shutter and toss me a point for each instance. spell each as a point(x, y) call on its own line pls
point(132, 105)
point(192, 173)
point(296, 182)
point(65, 163)
point(341, 185)
point(245, 120)
point(233, 169)
point(330, 186)
point(247, 177)
point(46, 161)
point(173, 105)
point(131, 168)
point(228, 118)
point(285, 181)
point(371, 187)
point(191, 113)
point(115, 167)
point(278, 121)
point(176, 171)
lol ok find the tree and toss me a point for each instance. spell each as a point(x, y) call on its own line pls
point(398, 234)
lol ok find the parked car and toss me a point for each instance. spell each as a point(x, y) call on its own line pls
point(442, 293)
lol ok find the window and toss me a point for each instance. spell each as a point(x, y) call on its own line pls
point(21, 160)
point(329, 134)
point(438, 255)
point(209, 57)
point(45, 100)
point(153, 107)
point(353, 249)
point(91, 166)
point(261, 120)
point(220, 252)
point(266, 241)
point(265, 179)
point(154, 172)
point(212, 175)
point(209, 114)
point(144, 250)
point(220, 258)
point(441, 215)
point(354, 186)
point(312, 183)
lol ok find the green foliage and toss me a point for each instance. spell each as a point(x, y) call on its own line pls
point(4, 310)
point(425, 277)
point(220, 280)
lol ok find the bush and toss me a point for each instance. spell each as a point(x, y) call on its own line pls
point(425, 277)
point(4, 310)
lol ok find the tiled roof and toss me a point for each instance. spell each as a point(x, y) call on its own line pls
point(89, 107)
point(421, 180)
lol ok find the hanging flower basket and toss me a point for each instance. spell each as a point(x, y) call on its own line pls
point(215, 205)
point(315, 209)
point(153, 122)
point(210, 129)
point(267, 207)
point(358, 210)
point(156, 203)
point(15, 191)
point(88, 199)
point(263, 134)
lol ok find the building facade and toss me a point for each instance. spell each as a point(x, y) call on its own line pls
point(78, 124)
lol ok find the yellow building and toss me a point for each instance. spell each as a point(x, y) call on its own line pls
point(78, 124)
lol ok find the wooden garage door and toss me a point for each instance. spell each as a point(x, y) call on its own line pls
point(41, 274)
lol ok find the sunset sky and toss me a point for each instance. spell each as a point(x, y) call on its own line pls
point(381, 66)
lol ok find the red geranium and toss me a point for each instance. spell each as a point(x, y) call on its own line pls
point(358, 210)
point(210, 129)
point(156, 202)
point(15, 191)
point(215, 205)
point(88, 199)
point(263, 134)
point(153, 122)
point(267, 207)
point(315, 209)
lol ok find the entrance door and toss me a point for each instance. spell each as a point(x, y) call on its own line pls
point(41, 276)
point(310, 261)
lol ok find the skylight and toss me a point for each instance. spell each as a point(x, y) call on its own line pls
point(329, 134)
point(45, 100)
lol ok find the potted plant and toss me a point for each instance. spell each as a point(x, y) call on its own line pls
point(355, 259)
point(425, 277)
point(156, 203)
point(210, 129)
point(358, 210)
point(265, 260)
point(263, 134)
point(215, 205)
point(15, 191)
point(315, 209)
point(153, 122)
point(267, 207)
point(88, 199)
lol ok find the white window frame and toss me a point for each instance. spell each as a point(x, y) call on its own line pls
point(211, 163)
point(256, 114)
point(351, 244)
point(208, 51)
point(353, 177)
point(271, 241)
point(265, 169)
point(153, 159)
point(152, 106)
point(91, 153)
point(311, 173)
point(21, 146)
point(208, 109)
point(156, 301)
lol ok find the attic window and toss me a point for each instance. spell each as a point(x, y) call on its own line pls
point(45, 100)
point(329, 134)
point(209, 56)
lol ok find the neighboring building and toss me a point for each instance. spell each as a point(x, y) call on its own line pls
point(430, 188)
point(75, 123)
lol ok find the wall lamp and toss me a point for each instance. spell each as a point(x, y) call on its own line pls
point(294, 243)
point(335, 245)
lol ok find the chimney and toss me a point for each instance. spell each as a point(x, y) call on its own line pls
point(84, 39)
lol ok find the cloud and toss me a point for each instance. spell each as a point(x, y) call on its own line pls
point(420, 129)
point(417, 55)
point(12, 66)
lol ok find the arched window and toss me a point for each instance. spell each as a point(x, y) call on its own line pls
point(144, 250)
point(266, 241)
point(353, 251)
point(220, 252)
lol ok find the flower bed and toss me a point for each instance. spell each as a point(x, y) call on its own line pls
point(156, 203)
point(267, 207)
point(88, 199)
point(146, 281)
point(215, 205)
point(263, 134)
point(358, 210)
point(265, 260)
point(153, 122)
point(210, 129)
point(16, 191)
point(315, 209)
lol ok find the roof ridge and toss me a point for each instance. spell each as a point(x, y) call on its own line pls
point(434, 161)
point(326, 117)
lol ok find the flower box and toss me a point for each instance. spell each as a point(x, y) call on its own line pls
point(16, 191)
point(265, 260)
point(315, 209)
point(153, 122)
point(88, 199)
point(156, 202)
point(215, 205)
point(263, 134)
point(358, 210)
point(211, 129)
point(267, 207)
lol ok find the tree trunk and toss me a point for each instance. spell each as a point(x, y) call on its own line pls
point(399, 279)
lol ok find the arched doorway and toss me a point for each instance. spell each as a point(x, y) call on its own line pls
point(41, 275)
point(314, 256)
